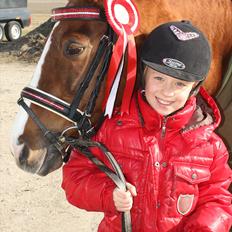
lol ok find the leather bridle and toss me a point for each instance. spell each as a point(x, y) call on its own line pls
point(80, 119)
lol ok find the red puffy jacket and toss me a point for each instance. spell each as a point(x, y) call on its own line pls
point(178, 165)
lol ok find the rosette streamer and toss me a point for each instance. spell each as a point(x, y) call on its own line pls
point(123, 17)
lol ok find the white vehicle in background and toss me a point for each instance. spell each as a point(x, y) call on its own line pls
point(14, 15)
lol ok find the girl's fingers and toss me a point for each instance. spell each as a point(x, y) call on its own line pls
point(132, 189)
point(122, 207)
point(119, 205)
point(123, 201)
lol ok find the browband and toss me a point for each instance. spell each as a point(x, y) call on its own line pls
point(83, 13)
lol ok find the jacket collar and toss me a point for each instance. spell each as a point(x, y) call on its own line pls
point(205, 127)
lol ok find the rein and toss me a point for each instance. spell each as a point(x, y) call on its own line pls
point(70, 112)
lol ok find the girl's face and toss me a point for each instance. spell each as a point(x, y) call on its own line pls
point(164, 93)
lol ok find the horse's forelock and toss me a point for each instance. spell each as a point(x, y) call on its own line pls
point(85, 3)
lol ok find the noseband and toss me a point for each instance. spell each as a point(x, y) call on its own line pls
point(80, 119)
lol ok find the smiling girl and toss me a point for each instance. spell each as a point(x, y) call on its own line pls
point(174, 162)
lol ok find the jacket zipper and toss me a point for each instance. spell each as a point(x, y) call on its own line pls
point(163, 132)
point(163, 129)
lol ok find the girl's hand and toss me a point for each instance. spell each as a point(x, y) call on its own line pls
point(123, 200)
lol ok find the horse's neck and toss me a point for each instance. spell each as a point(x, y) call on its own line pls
point(153, 13)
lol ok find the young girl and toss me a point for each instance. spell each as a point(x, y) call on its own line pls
point(174, 163)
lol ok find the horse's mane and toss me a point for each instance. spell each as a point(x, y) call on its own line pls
point(85, 3)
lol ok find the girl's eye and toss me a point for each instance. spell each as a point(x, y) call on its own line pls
point(158, 78)
point(180, 84)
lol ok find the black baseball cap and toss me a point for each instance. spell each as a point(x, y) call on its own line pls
point(177, 49)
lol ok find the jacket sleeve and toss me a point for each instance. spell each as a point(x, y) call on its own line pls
point(86, 186)
point(213, 212)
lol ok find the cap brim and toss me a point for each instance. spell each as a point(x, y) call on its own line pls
point(179, 74)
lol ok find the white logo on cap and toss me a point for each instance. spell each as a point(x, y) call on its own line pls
point(183, 36)
point(173, 63)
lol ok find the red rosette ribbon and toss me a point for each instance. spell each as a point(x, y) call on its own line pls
point(123, 17)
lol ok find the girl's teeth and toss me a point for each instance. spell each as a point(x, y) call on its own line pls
point(164, 102)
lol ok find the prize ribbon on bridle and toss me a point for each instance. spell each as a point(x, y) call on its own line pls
point(123, 17)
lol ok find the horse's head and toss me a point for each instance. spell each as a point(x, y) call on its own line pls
point(63, 66)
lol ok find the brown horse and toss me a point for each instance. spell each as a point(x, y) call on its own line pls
point(71, 48)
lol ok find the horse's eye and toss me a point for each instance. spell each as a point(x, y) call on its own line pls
point(73, 49)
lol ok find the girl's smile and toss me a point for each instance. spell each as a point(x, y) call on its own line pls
point(163, 102)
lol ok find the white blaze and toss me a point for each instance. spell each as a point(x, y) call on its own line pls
point(38, 70)
point(22, 116)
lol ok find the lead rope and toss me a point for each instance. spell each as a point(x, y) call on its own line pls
point(117, 177)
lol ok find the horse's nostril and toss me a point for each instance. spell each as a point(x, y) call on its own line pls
point(20, 140)
point(23, 155)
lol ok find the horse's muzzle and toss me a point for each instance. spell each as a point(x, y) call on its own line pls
point(40, 162)
point(52, 161)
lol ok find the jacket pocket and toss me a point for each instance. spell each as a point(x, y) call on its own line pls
point(192, 173)
point(186, 191)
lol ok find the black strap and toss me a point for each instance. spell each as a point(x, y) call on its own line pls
point(47, 134)
point(59, 107)
point(100, 78)
point(85, 83)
